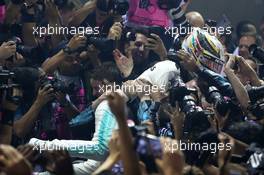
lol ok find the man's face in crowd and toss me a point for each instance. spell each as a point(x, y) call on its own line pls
point(140, 52)
point(70, 66)
point(244, 43)
point(101, 16)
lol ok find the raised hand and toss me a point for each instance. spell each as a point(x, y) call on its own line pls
point(12, 162)
point(124, 63)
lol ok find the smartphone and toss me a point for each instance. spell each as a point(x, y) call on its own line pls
point(149, 148)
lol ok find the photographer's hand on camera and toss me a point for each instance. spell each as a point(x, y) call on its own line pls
point(156, 44)
point(45, 95)
point(115, 31)
point(7, 49)
point(76, 42)
point(238, 87)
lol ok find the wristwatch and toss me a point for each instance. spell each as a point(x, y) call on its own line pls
point(67, 50)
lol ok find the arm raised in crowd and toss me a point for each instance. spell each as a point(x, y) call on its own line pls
point(82, 13)
point(172, 162)
point(8, 109)
point(23, 125)
point(50, 65)
point(177, 119)
point(238, 87)
point(156, 44)
point(53, 16)
point(247, 71)
point(128, 154)
point(12, 13)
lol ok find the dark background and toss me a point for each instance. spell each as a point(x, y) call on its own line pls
point(235, 10)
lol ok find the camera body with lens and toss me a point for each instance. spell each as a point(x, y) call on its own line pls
point(256, 95)
point(222, 104)
point(196, 119)
point(57, 84)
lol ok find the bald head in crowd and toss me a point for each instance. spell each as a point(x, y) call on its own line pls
point(195, 19)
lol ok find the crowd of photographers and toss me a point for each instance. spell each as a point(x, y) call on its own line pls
point(131, 96)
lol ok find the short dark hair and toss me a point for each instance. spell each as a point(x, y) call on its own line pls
point(102, 5)
point(107, 71)
point(247, 132)
point(245, 28)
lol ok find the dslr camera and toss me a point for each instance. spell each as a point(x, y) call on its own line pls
point(57, 84)
point(222, 104)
